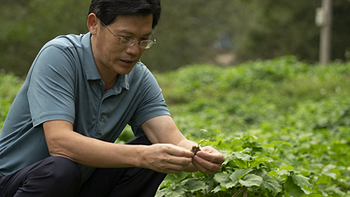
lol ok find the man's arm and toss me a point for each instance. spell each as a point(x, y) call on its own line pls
point(64, 142)
point(162, 129)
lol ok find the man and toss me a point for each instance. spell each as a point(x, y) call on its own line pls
point(79, 94)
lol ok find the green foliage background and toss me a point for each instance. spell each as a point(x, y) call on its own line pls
point(283, 125)
point(9, 86)
point(190, 32)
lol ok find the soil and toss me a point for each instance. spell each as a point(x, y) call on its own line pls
point(195, 149)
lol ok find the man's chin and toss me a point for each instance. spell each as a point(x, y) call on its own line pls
point(125, 71)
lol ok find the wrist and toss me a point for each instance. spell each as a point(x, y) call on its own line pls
point(139, 157)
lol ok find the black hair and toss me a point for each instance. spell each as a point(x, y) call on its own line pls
point(108, 10)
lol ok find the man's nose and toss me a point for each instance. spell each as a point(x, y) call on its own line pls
point(134, 49)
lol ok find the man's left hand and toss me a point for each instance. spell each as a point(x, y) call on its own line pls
point(208, 160)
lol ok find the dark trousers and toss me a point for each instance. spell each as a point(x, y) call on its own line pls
point(58, 176)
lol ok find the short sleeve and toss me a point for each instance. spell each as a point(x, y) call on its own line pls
point(152, 103)
point(51, 86)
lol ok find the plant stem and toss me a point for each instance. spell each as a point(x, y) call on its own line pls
point(239, 191)
point(194, 175)
point(245, 192)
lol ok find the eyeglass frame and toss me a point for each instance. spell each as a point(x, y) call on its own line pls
point(151, 42)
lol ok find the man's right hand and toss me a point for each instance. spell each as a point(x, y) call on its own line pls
point(165, 158)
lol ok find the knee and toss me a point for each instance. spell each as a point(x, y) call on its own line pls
point(60, 175)
point(53, 176)
point(63, 169)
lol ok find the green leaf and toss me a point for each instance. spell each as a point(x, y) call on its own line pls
point(273, 173)
point(257, 161)
point(221, 177)
point(216, 189)
point(293, 189)
point(301, 180)
point(328, 167)
point(283, 172)
point(335, 189)
point(250, 138)
point(178, 192)
point(238, 174)
point(251, 180)
point(168, 191)
point(163, 192)
point(323, 179)
point(193, 184)
point(260, 172)
point(244, 157)
point(240, 163)
point(177, 177)
point(271, 184)
point(283, 145)
point(288, 168)
point(330, 174)
point(224, 179)
point(313, 195)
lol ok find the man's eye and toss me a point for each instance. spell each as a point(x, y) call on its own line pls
point(126, 38)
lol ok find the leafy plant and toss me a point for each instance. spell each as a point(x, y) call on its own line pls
point(282, 121)
point(9, 86)
point(254, 171)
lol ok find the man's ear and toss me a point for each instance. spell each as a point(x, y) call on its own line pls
point(92, 23)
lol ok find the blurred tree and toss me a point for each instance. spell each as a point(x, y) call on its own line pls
point(341, 30)
point(283, 27)
point(257, 29)
point(26, 25)
point(288, 27)
point(190, 32)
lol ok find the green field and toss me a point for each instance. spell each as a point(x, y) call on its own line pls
point(283, 125)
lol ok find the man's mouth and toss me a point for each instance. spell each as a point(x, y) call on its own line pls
point(128, 61)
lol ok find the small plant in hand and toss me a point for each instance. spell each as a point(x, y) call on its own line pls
point(197, 148)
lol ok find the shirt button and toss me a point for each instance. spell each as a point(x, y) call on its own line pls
point(100, 83)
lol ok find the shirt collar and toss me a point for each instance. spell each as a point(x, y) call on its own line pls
point(123, 81)
point(90, 67)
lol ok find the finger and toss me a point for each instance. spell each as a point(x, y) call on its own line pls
point(200, 168)
point(206, 166)
point(169, 167)
point(178, 151)
point(214, 157)
point(181, 161)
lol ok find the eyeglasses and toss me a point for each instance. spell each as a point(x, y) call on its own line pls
point(129, 42)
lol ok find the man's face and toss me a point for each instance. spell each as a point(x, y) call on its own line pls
point(112, 58)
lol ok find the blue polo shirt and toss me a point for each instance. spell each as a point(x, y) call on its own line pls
point(63, 83)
